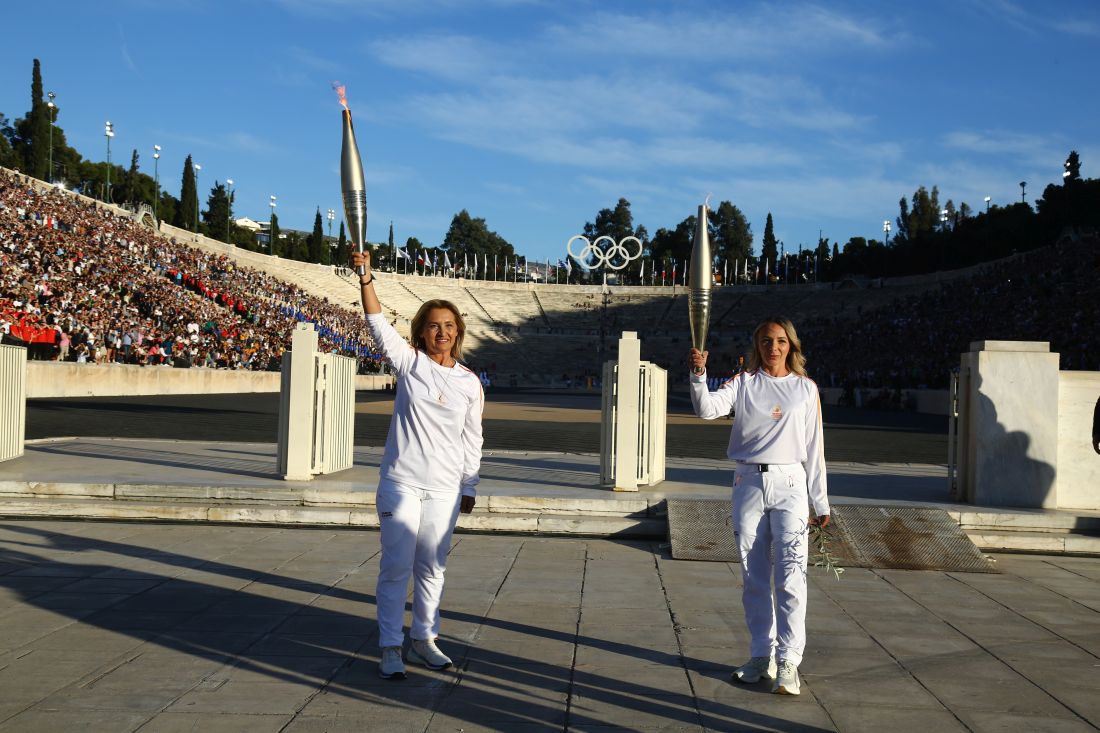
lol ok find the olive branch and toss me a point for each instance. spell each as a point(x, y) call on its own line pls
point(820, 537)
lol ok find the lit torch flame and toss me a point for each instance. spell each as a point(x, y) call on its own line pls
point(341, 92)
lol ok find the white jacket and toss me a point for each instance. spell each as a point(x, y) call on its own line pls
point(777, 420)
point(434, 441)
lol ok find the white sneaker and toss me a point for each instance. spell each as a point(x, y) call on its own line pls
point(753, 670)
point(391, 666)
point(786, 683)
point(424, 651)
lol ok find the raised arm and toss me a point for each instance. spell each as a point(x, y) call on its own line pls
point(709, 405)
point(366, 282)
point(396, 350)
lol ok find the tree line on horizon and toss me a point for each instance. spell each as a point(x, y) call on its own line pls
point(927, 237)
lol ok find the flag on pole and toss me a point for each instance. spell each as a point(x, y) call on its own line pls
point(403, 254)
point(641, 273)
point(446, 261)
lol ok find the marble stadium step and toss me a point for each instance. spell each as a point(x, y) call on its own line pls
point(616, 515)
point(481, 520)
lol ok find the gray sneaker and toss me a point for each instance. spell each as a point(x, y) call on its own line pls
point(424, 651)
point(786, 683)
point(753, 670)
point(391, 666)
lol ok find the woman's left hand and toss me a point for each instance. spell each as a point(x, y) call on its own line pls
point(467, 504)
point(822, 521)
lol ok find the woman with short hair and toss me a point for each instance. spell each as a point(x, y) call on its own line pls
point(778, 446)
point(429, 470)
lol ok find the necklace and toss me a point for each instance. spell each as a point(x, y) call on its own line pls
point(442, 399)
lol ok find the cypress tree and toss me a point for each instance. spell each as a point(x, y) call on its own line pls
point(187, 213)
point(37, 153)
point(343, 257)
point(317, 241)
point(768, 246)
point(274, 247)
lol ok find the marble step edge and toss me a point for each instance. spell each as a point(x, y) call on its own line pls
point(352, 517)
point(1041, 542)
point(637, 508)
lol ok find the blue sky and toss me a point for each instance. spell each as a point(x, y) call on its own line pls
point(535, 115)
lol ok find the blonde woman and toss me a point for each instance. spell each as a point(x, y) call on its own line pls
point(777, 444)
point(429, 470)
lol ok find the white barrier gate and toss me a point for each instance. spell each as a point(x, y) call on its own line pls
point(316, 409)
point(632, 424)
point(13, 401)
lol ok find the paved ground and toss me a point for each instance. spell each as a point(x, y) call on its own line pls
point(513, 421)
point(119, 627)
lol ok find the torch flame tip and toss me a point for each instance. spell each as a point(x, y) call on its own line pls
point(341, 92)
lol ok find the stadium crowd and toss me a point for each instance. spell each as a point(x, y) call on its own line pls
point(1051, 294)
point(80, 283)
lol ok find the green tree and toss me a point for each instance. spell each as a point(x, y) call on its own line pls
point(7, 152)
point(730, 232)
point(318, 250)
point(343, 256)
point(1072, 166)
point(768, 245)
point(218, 211)
point(275, 242)
point(470, 235)
point(34, 129)
point(188, 210)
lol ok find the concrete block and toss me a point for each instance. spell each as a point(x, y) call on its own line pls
point(218, 494)
point(360, 518)
point(487, 521)
point(1018, 541)
point(567, 505)
point(1082, 544)
point(46, 489)
point(559, 524)
point(321, 497)
point(279, 515)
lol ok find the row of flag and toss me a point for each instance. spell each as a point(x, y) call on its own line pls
point(669, 272)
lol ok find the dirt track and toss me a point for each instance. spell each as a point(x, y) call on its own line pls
point(513, 421)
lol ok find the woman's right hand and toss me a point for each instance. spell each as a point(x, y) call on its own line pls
point(698, 360)
point(360, 259)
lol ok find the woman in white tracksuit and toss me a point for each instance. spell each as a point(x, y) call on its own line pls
point(429, 470)
point(778, 446)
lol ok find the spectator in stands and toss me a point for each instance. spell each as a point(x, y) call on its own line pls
point(778, 446)
point(429, 470)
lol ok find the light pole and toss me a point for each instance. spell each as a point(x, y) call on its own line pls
point(331, 215)
point(1023, 192)
point(228, 206)
point(271, 229)
point(156, 180)
point(886, 230)
point(109, 132)
point(198, 201)
point(943, 219)
point(50, 104)
point(987, 200)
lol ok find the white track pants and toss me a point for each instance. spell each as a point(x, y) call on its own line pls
point(416, 529)
point(771, 517)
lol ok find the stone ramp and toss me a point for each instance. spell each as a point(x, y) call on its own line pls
point(859, 535)
point(528, 492)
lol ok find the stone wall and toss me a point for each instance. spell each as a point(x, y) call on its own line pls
point(65, 379)
point(1078, 461)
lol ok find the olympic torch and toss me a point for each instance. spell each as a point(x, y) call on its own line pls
point(352, 183)
point(701, 277)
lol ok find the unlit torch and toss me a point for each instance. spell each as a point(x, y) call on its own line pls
point(700, 278)
point(352, 183)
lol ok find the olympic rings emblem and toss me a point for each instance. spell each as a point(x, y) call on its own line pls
point(592, 256)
